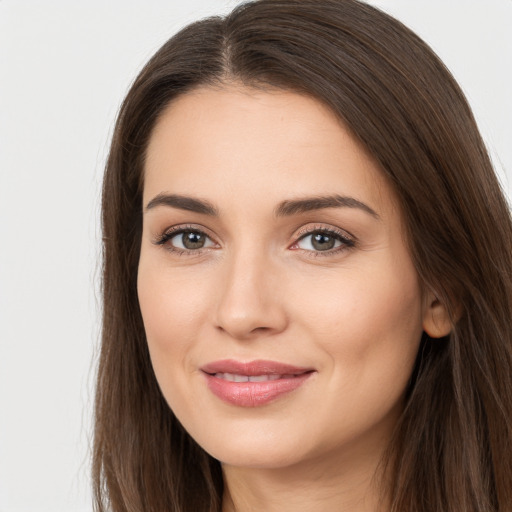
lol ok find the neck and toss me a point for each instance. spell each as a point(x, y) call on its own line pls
point(323, 484)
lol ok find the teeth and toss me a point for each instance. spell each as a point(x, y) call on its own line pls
point(233, 377)
point(262, 378)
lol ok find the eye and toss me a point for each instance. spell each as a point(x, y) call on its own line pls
point(190, 240)
point(323, 240)
point(185, 240)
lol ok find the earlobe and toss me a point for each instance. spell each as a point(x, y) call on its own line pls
point(436, 320)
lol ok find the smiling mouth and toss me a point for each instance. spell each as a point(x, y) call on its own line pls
point(232, 377)
point(256, 368)
point(253, 384)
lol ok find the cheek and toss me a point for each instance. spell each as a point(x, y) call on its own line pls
point(369, 327)
point(172, 305)
point(366, 318)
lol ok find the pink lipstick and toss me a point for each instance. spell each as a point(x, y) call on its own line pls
point(254, 383)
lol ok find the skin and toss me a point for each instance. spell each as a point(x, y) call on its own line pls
point(259, 289)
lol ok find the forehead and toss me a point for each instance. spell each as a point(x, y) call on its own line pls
point(242, 143)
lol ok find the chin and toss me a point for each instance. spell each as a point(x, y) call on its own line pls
point(257, 459)
point(264, 452)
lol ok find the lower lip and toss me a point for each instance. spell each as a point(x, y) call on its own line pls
point(253, 394)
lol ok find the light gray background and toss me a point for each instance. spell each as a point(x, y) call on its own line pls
point(64, 68)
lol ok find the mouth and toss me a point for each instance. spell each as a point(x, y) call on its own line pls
point(255, 383)
point(233, 377)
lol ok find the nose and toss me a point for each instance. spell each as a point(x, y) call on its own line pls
point(251, 299)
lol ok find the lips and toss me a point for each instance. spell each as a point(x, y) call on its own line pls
point(233, 377)
point(255, 383)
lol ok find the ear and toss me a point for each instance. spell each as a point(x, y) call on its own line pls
point(436, 321)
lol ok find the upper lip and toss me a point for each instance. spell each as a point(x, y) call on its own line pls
point(253, 368)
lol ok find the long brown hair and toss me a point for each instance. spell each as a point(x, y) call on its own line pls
point(452, 449)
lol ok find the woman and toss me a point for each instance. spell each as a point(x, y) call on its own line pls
point(307, 276)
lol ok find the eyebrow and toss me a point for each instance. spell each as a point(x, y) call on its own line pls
point(284, 209)
point(183, 203)
point(296, 206)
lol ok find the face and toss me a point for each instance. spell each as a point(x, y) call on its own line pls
point(282, 310)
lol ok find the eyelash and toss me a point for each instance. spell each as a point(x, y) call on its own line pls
point(170, 233)
point(347, 241)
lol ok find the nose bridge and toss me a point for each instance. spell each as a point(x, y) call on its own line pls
point(248, 302)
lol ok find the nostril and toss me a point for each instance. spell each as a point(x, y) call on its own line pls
point(244, 311)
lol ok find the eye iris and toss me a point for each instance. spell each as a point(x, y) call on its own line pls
point(322, 242)
point(193, 240)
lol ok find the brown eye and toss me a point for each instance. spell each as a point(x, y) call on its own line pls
point(193, 240)
point(322, 241)
point(186, 240)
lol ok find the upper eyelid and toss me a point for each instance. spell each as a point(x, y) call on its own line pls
point(305, 231)
point(345, 239)
point(179, 228)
